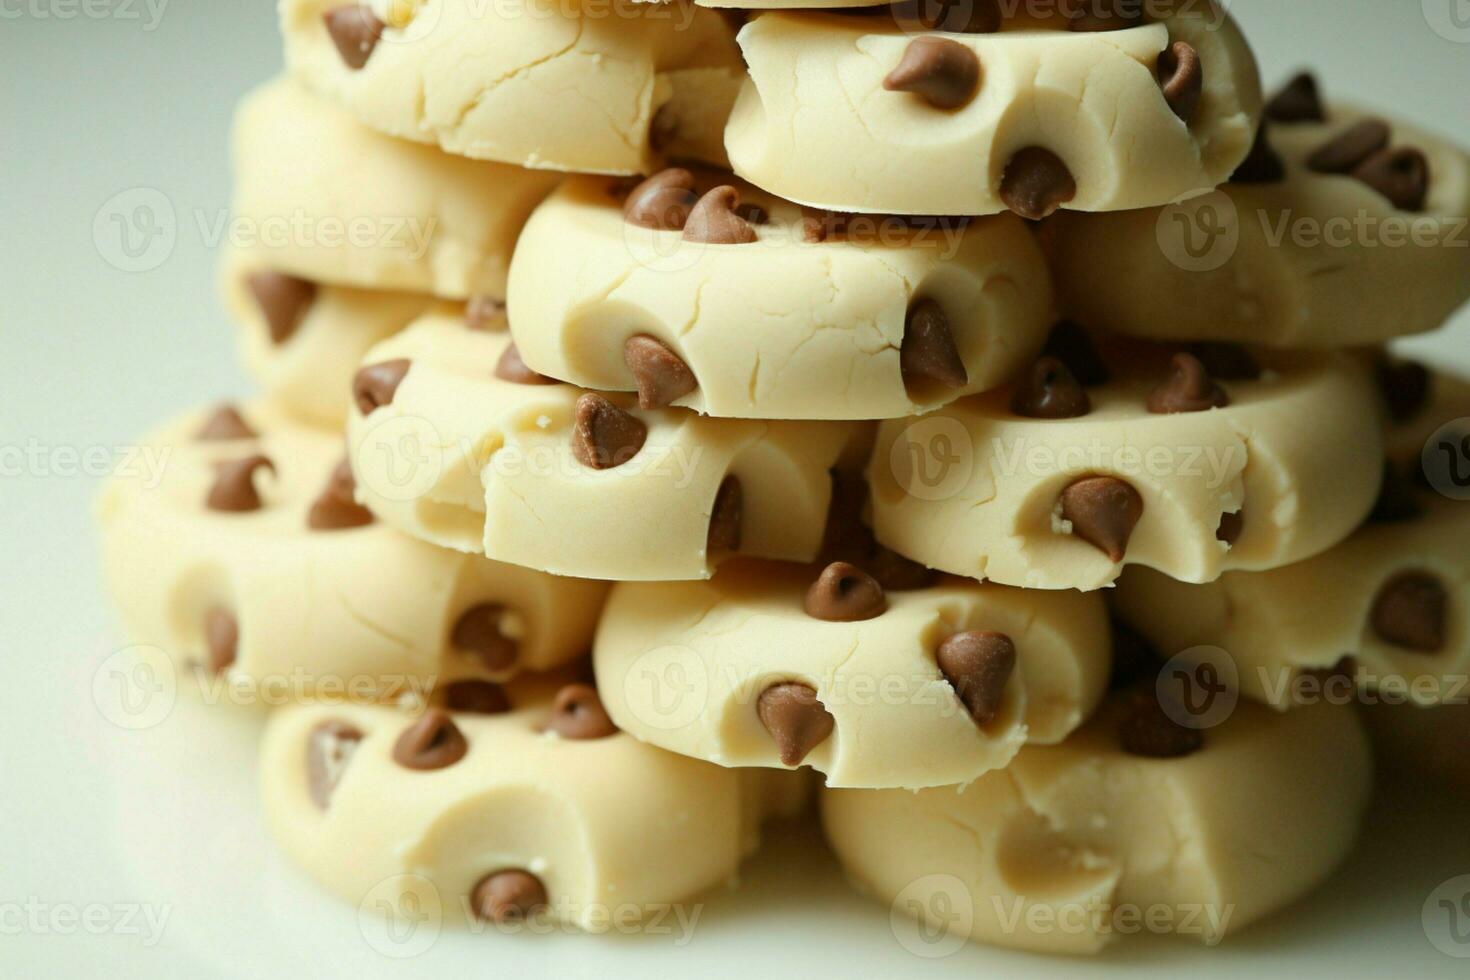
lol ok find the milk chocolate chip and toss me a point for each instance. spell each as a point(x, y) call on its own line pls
point(337, 508)
point(1148, 731)
point(511, 368)
point(942, 72)
point(1400, 175)
point(1036, 183)
point(508, 896)
point(662, 377)
point(796, 720)
point(225, 425)
point(1182, 75)
point(1411, 612)
point(929, 352)
point(283, 302)
point(221, 640)
point(1348, 150)
point(662, 202)
point(727, 520)
point(476, 698)
point(978, 665)
point(1298, 102)
point(604, 436)
point(578, 714)
point(1189, 388)
point(1050, 392)
point(432, 742)
point(844, 593)
point(329, 749)
point(376, 384)
point(1103, 511)
point(356, 31)
point(480, 632)
point(715, 220)
point(234, 485)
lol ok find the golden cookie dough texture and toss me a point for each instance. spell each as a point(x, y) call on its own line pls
point(814, 123)
point(974, 489)
point(535, 83)
point(610, 826)
point(780, 327)
point(1264, 629)
point(683, 666)
point(1061, 850)
point(465, 460)
point(1314, 260)
point(366, 606)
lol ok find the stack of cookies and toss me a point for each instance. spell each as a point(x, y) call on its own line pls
point(980, 405)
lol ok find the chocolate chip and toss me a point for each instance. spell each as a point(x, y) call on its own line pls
point(1262, 165)
point(662, 377)
point(1091, 16)
point(662, 202)
point(1411, 612)
point(1346, 151)
point(1189, 388)
point(484, 313)
point(283, 302)
point(432, 742)
point(1050, 392)
point(578, 714)
point(978, 665)
point(1406, 387)
point(329, 748)
point(942, 72)
point(1298, 102)
point(1400, 175)
point(604, 436)
point(234, 490)
point(715, 220)
point(796, 720)
point(479, 632)
point(356, 31)
point(1230, 528)
point(1103, 511)
point(727, 520)
point(476, 698)
point(844, 593)
point(508, 896)
point(1182, 75)
point(337, 508)
point(1228, 362)
point(1397, 502)
point(376, 384)
point(1071, 345)
point(1036, 183)
point(1148, 731)
point(512, 368)
point(225, 425)
point(221, 640)
point(928, 352)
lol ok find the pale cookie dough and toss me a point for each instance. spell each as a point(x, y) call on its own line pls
point(548, 476)
point(840, 112)
point(607, 86)
point(1050, 485)
point(1073, 846)
point(271, 579)
point(1394, 597)
point(504, 820)
point(810, 317)
point(934, 686)
point(1310, 259)
point(325, 198)
point(302, 340)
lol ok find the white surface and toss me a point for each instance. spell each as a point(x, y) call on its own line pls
point(92, 106)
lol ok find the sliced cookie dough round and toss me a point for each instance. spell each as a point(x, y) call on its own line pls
point(536, 810)
point(912, 685)
point(882, 114)
point(232, 541)
point(611, 88)
point(1344, 230)
point(1191, 463)
point(320, 196)
point(1135, 823)
point(1385, 613)
point(696, 290)
point(457, 442)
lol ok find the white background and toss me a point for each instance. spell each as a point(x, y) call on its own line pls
point(92, 106)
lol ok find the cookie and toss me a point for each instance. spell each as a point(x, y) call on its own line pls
point(1134, 824)
point(879, 114)
point(1191, 463)
point(611, 88)
point(244, 553)
point(1394, 597)
point(697, 291)
point(911, 685)
point(320, 196)
point(539, 813)
point(303, 340)
point(1325, 248)
point(460, 444)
